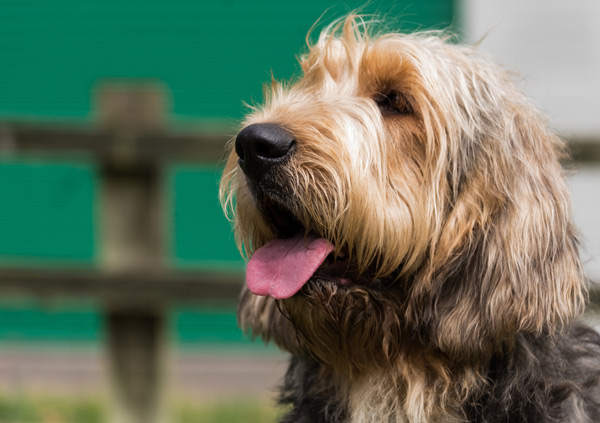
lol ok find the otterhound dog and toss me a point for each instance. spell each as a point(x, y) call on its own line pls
point(410, 240)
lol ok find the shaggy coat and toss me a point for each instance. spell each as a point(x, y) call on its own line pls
point(454, 284)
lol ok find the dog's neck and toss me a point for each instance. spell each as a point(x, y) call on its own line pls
point(403, 394)
point(380, 397)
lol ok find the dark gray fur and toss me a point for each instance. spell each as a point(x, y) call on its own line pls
point(539, 380)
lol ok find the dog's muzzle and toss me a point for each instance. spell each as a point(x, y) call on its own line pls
point(261, 147)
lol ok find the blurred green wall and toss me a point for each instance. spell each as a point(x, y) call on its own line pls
point(24, 321)
point(213, 56)
point(47, 211)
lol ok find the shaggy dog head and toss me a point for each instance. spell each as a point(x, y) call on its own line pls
point(400, 202)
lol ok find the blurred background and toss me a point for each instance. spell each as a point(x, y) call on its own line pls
point(118, 271)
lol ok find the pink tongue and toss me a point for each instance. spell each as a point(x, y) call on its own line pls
point(282, 266)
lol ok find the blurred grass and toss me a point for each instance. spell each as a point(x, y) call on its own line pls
point(26, 409)
point(243, 411)
point(46, 409)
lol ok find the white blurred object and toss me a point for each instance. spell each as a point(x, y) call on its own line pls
point(585, 191)
point(554, 45)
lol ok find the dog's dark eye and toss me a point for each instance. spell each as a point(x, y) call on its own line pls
point(393, 103)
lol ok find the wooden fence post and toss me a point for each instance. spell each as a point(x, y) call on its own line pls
point(134, 231)
point(136, 343)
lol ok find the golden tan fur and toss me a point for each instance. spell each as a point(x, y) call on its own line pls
point(457, 212)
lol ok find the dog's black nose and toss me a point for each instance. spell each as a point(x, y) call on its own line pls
point(261, 146)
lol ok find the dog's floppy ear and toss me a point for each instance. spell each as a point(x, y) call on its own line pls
point(506, 260)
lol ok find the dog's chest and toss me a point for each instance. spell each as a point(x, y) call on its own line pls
point(378, 398)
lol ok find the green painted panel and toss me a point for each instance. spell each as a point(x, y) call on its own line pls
point(213, 55)
point(201, 236)
point(47, 211)
point(32, 322)
point(208, 325)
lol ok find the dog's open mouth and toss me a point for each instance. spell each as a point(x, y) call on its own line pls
point(281, 267)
